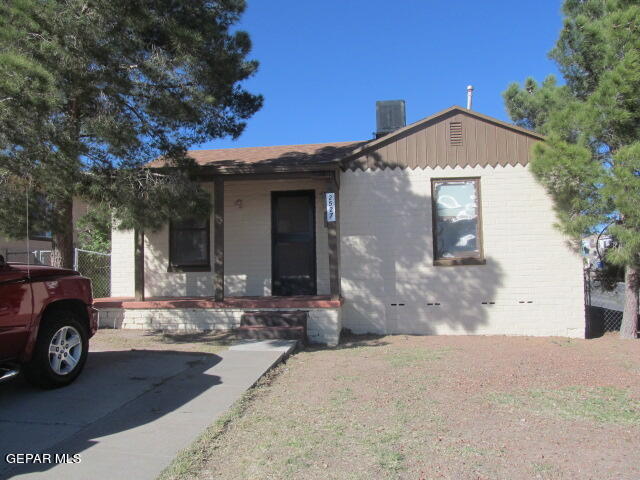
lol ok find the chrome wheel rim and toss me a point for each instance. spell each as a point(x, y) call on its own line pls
point(65, 350)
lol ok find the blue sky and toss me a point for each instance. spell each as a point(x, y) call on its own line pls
point(323, 64)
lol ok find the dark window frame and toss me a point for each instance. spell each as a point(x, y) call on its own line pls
point(475, 259)
point(178, 268)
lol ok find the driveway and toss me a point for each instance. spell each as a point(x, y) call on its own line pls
point(130, 411)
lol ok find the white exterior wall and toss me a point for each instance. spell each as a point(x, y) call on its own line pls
point(247, 230)
point(247, 247)
point(531, 274)
point(158, 282)
point(122, 264)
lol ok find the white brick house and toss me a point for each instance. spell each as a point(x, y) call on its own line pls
point(439, 228)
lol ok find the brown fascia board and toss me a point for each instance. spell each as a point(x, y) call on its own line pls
point(220, 169)
point(435, 117)
point(248, 169)
point(326, 166)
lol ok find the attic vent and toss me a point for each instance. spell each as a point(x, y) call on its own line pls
point(455, 134)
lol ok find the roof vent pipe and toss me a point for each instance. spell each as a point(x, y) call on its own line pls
point(469, 96)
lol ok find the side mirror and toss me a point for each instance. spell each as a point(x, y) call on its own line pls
point(3, 263)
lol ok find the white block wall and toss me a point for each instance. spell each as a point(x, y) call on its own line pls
point(158, 282)
point(531, 274)
point(122, 263)
point(323, 324)
point(247, 247)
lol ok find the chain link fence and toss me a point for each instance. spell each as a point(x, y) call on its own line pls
point(603, 307)
point(97, 267)
point(93, 265)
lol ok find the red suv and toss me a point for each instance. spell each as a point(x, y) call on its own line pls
point(46, 320)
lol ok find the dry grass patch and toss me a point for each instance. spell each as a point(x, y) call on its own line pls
point(599, 404)
point(435, 407)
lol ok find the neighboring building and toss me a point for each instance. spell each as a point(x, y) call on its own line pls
point(39, 244)
point(434, 228)
point(17, 250)
point(594, 248)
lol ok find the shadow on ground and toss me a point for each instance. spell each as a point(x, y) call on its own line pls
point(118, 391)
point(219, 337)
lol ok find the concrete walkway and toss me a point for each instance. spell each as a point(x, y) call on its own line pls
point(133, 420)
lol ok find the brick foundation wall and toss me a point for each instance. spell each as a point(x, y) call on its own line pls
point(323, 325)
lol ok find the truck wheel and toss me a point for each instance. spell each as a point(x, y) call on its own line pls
point(60, 352)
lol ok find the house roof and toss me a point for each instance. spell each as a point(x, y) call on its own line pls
point(274, 157)
point(306, 156)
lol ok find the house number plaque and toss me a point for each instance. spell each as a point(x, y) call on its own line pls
point(331, 206)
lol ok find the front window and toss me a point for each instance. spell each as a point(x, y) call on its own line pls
point(189, 245)
point(457, 235)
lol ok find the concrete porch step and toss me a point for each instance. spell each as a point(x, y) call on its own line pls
point(274, 319)
point(268, 333)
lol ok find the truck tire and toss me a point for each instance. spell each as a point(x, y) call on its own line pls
point(60, 352)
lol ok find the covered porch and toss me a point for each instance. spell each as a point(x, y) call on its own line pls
point(271, 244)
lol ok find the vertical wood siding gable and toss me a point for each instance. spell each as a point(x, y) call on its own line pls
point(483, 144)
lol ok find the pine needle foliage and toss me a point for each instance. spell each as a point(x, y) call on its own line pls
point(91, 91)
point(590, 162)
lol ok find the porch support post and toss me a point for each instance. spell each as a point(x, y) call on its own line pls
point(333, 231)
point(138, 262)
point(218, 238)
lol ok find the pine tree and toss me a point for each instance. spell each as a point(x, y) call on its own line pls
point(91, 91)
point(94, 229)
point(590, 163)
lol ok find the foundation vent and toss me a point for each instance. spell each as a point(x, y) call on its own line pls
point(455, 134)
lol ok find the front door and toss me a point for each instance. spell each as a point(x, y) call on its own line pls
point(293, 243)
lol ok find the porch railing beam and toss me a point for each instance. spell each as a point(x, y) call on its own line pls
point(218, 238)
point(333, 234)
point(138, 262)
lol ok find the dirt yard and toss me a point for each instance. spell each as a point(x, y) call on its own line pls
point(207, 342)
point(435, 407)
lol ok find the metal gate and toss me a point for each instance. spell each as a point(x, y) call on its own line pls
point(603, 309)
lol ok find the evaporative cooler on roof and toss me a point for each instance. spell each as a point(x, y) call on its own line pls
point(390, 116)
